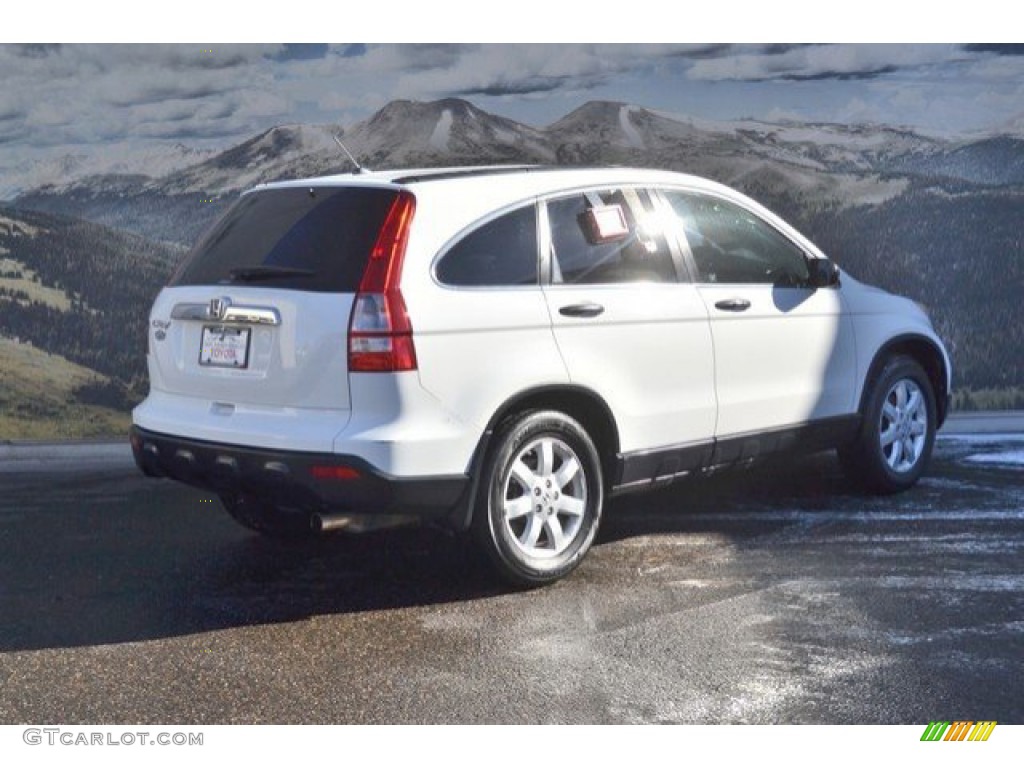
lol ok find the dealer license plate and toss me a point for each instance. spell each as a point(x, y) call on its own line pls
point(224, 346)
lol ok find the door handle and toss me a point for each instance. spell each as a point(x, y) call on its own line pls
point(586, 309)
point(733, 305)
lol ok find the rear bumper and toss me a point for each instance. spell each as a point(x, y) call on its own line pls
point(319, 483)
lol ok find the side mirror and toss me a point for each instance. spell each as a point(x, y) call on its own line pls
point(822, 273)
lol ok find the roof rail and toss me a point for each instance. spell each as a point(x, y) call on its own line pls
point(458, 173)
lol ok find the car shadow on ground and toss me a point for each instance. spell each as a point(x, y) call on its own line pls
point(91, 568)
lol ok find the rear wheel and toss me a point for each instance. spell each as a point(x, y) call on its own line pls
point(266, 519)
point(542, 495)
point(898, 430)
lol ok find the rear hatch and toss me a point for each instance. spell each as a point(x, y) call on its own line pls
point(258, 313)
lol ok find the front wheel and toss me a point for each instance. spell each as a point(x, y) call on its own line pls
point(542, 493)
point(898, 430)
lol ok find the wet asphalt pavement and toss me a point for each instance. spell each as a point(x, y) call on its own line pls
point(774, 595)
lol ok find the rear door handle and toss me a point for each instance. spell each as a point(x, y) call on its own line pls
point(733, 305)
point(586, 309)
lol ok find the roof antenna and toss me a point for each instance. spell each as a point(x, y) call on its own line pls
point(359, 168)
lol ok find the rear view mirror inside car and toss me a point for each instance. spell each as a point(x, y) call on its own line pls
point(604, 224)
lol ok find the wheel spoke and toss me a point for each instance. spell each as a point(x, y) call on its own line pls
point(901, 396)
point(890, 411)
point(909, 452)
point(531, 533)
point(897, 454)
point(569, 469)
point(523, 475)
point(914, 401)
point(888, 436)
point(918, 428)
point(546, 458)
point(515, 508)
point(555, 533)
point(570, 505)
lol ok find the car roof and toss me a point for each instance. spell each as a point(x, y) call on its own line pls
point(519, 180)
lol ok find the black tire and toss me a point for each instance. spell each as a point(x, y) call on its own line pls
point(541, 496)
point(897, 432)
point(268, 520)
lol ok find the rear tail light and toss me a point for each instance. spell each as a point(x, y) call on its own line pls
point(379, 331)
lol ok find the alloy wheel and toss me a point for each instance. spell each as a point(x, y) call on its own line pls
point(903, 428)
point(544, 498)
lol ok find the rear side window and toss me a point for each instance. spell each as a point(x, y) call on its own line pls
point(501, 252)
point(608, 237)
point(312, 239)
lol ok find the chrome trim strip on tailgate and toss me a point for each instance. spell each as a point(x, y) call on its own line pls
point(232, 314)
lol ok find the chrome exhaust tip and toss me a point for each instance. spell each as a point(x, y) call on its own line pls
point(323, 523)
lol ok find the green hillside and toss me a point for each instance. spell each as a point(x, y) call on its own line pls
point(80, 292)
point(38, 397)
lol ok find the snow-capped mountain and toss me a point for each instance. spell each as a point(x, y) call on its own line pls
point(286, 151)
point(602, 125)
point(454, 131)
point(788, 165)
point(65, 171)
point(178, 206)
point(403, 133)
point(406, 133)
point(782, 163)
point(731, 148)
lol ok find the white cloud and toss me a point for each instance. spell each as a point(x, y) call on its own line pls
point(93, 92)
point(845, 60)
point(908, 97)
point(263, 103)
point(859, 111)
point(778, 115)
point(1006, 68)
point(533, 68)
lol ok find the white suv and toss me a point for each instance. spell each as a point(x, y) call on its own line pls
point(500, 349)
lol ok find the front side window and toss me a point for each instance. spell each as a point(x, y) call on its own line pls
point(731, 245)
point(501, 252)
point(608, 237)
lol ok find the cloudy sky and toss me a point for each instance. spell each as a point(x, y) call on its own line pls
point(92, 98)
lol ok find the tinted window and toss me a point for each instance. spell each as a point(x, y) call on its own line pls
point(501, 252)
point(323, 235)
point(732, 245)
point(637, 253)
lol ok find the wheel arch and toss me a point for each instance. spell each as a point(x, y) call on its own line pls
point(582, 404)
point(927, 353)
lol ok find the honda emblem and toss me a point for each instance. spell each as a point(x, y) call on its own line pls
point(219, 307)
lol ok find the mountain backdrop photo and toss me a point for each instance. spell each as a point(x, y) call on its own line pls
point(904, 163)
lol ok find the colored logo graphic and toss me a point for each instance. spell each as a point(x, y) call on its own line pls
point(959, 730)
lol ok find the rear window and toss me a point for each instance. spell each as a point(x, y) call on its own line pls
point(304, 238)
